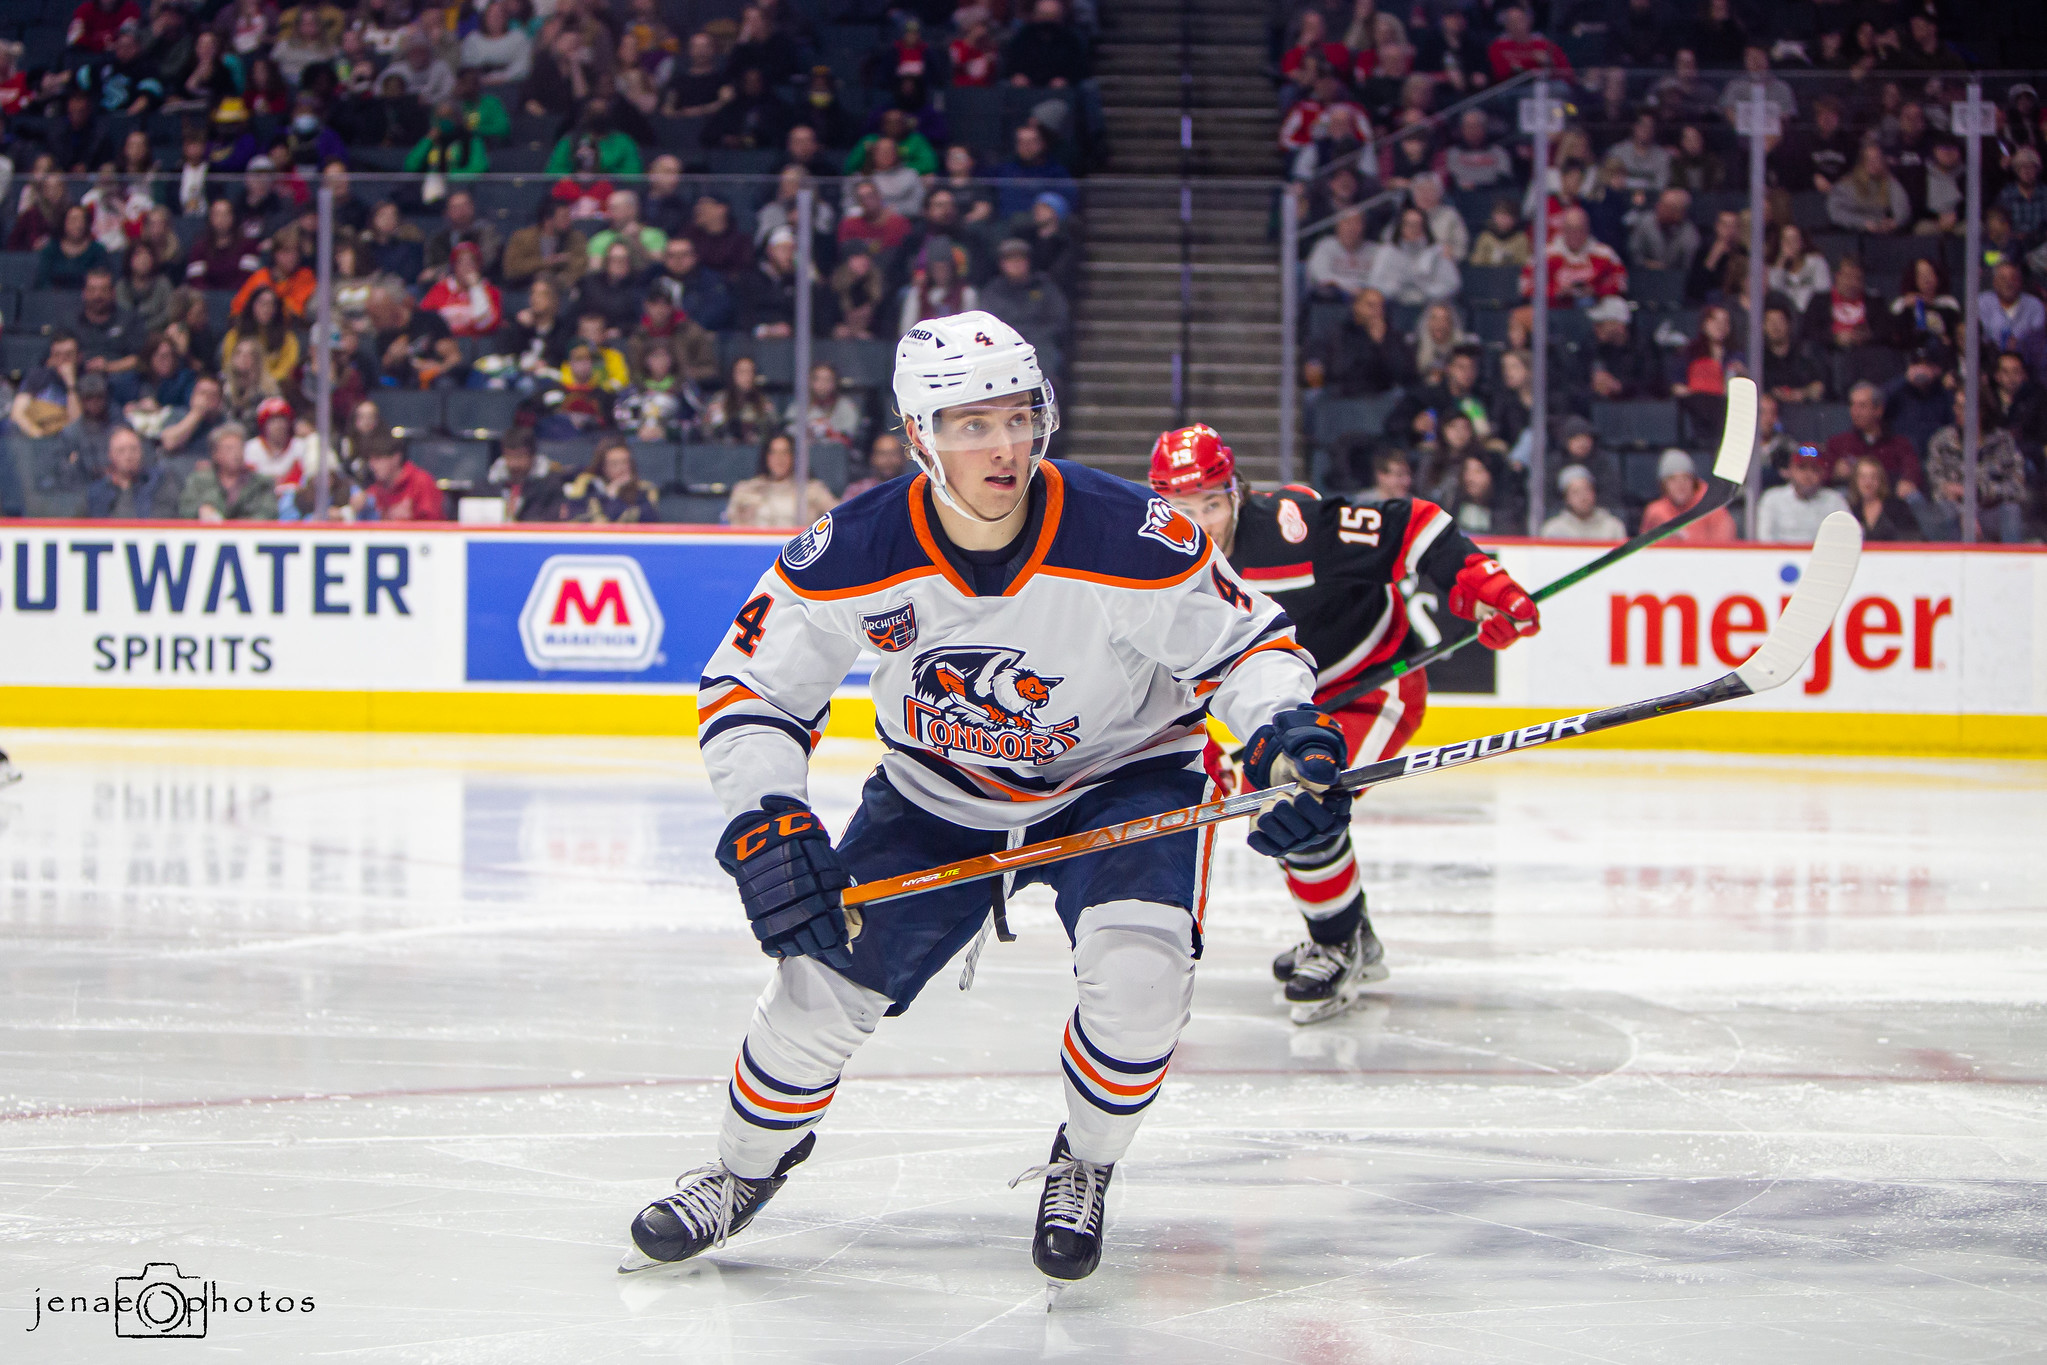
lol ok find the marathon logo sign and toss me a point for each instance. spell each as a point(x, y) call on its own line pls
point(591, 613)
point(1491, 746)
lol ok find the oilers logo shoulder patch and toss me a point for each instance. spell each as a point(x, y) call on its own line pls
point(806, 549)
point(1293, 527)
point(1169, 527)
point(891, 632)
point(980, 703)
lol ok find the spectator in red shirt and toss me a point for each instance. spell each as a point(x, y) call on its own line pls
point(1682, 489)
point(974, 56)
point(872, 220)
point(1314, 37)
point(1519, 48)
point(1842, 317)
point(1866, 439)
point(399, 489)
point(1581, 269)
point(13, 81)
point(95, 23)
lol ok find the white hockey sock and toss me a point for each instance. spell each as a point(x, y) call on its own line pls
point(1134, 963)
point(809, 1020)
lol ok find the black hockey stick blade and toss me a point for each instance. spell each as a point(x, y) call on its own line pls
point(1804, 623)
point(1730, 474)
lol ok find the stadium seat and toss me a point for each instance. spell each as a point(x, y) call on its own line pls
point(469, 411)
point(1492, 285)
point(520, 160)
point(571, 454)
point(22, 350)
point(1403, 318)
point(868, 364)
point(1642, 423)
point(1657, 288)
point(219, 310)
point(1638, 475)
point(1490, 324)
point(659, 462)
point(46, 308)
point(17, 269)
point(774, 357)
point(709, 468)
point(1809, 211)
point(744, 161)
point(1884, 259)
point(688, 509)
point(452, 462)
point(1867, 365)
point(1336, 418)
point(410, 410)
point(829, 462)
point(1813, 423)
point(1325, 318)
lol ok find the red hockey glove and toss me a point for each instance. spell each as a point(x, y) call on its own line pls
point(1503, 609)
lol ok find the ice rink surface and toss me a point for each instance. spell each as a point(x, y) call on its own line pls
point(1683, 1059)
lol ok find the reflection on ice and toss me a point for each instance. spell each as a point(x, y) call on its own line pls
point(1681, 1060)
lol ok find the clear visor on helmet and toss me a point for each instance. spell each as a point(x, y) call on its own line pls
point(1023, 422)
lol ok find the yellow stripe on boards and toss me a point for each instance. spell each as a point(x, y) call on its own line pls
point(559, 711)
point(574, 711)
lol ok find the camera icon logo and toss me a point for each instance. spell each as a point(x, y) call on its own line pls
point(160, 1302)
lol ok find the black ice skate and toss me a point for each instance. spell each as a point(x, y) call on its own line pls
point(1068, 1242)
point(8, 772)
point(709, 1205)
point(1328, 977)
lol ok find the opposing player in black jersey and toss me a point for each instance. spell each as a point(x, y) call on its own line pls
point(1336, 569)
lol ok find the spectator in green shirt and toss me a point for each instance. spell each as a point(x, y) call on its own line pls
point(450, 147)
point(595, 146)
point(483, 112)
point(917, 151)
point(225, 488)
point(646, 243)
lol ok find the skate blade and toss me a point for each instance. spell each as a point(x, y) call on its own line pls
point(1320, 1011)
point(1053, 1289)
point(637, 1261)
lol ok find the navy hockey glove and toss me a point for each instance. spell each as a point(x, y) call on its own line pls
point(1305, 746)
point(789, 879)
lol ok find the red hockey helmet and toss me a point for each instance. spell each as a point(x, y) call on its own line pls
point(1192, 460)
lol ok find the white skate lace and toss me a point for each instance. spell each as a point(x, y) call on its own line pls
point(1322, 962)
point(707, 1206)
point(1072, 1191)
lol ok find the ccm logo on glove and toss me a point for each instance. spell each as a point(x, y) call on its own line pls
point(1503, 609)
point(782, 827)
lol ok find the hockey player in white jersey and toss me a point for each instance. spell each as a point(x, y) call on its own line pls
point(1050, 641)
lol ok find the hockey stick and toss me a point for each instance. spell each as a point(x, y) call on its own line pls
point(1730, 470)
point(1804, 623)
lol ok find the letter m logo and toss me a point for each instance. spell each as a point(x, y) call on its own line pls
point(1655, 611)
point(608, 595)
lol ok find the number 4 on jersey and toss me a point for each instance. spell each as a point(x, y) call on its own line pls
point(752, 623)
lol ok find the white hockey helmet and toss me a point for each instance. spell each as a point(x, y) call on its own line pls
point(952, 361)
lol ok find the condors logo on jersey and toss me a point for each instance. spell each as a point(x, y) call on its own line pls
point(1165, 524)
point(979, 702)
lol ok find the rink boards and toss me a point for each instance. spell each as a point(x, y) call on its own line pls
point(567, 630)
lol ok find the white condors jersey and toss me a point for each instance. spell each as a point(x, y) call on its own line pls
point(1002, 689)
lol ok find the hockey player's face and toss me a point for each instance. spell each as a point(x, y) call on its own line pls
point(986, 451)
point(1214, 513)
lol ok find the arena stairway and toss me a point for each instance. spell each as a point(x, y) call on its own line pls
point(1127, 319)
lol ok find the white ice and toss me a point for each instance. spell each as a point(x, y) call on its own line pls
point(1682, 1060)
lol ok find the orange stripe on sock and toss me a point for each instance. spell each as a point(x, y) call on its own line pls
point(780, 1107)
point(1074, 1055)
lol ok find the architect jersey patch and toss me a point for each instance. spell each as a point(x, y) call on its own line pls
point(1165, 525)
point(891, 632)
point(806, 549)
point(979, 703)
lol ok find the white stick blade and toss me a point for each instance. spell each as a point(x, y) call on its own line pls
point(1810, 612)
point(1738, 437)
